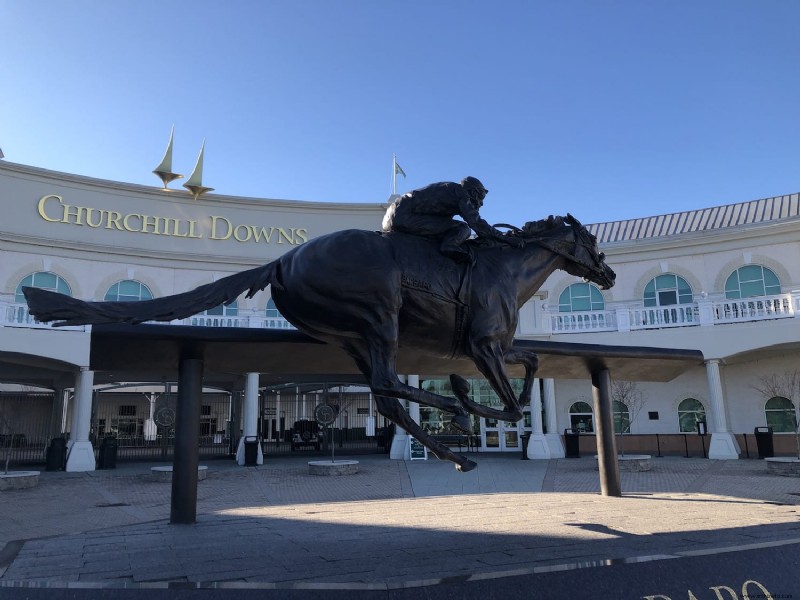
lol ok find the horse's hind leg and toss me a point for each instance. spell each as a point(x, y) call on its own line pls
point(392, 409)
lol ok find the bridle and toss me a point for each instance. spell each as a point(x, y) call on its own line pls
point(556, 246)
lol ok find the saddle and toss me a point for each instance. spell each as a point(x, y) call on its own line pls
point(435, 291)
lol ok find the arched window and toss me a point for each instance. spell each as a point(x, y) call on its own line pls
point(128, 290)
point(622, 418)
point(667, 290)
point(581, 418)
point(44, 280)
point(752, 280)
point(780, 415)
point(580, 297)
point(690, 411)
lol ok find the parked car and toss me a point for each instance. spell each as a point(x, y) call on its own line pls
point(306, 433)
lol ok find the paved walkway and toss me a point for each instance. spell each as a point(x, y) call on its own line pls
point(394, 522)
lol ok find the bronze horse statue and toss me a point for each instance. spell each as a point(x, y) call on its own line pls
point(370, 293)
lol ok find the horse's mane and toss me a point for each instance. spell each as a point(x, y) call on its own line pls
point(543, 228)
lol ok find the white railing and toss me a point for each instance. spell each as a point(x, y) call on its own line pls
point(214, 321)
point(658, 317)
point(574, 322)
point(754, 309)
point(706, 312)
point(17, 315)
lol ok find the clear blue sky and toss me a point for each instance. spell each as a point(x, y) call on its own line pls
point(608, 109)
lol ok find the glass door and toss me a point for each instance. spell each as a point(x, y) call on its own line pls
point(500, 436)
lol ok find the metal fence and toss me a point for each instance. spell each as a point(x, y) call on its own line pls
point(26, 422)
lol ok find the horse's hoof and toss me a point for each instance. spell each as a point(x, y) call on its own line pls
point(462, 423)
point(459, 384)
point(466, 466)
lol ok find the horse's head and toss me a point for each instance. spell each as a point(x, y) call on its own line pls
point(586, 260)
point(567, 237)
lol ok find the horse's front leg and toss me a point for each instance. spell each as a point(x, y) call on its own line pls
point(393, 410)
point(490, 360)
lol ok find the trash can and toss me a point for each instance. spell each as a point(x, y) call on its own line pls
point(572, 447)
point(56, 454)
point(525, 439)
point(108, 453)
point(250, 451)
point(764, 442)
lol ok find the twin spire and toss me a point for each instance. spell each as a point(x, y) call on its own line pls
point(195, 182)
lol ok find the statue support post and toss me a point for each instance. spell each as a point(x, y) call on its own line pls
point(607, 461)
point(183, 509)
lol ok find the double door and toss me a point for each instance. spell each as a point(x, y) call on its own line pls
point(501, 436)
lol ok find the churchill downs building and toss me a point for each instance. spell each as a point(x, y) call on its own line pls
point(723, 280)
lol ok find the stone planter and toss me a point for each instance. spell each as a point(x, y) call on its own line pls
point(634, 463)
point(18, 480)
point(165, 473)
point(333, 467)
point(783, 465)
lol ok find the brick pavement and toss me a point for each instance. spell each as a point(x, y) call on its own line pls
point(393, 522)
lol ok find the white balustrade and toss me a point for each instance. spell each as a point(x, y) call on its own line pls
point(657, 317)
point(577, 322)
point(754, 309)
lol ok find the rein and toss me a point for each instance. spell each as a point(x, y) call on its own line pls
point(553, 246)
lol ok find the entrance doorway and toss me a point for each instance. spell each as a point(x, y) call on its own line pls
point(503, 436)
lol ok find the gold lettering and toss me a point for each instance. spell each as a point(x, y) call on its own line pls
point(302, 234)
point(113, 219)
point(691, 596)
point(175, 224)
point(89, 213)
point(192, 225)
point(257, 233)
point(125, 221)
point(282, 234)
point(717, 589)
point(43, 201)
point(150, 221)
point(244, 228)
point(78, 214)
point(745, 594)
point(214, 235)
point(657, 597)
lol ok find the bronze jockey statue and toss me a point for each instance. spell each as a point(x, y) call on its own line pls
point(429, 212)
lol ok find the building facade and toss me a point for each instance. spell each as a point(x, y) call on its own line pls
point(724, 280)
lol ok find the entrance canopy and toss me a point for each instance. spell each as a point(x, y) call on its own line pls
point(153, 352)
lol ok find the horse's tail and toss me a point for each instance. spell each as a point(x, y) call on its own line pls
point(47, 306)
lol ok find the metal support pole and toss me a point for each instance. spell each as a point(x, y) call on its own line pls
point(607, 460)
point(187, 439)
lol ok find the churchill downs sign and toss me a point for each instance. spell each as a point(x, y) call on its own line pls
point(53, 209)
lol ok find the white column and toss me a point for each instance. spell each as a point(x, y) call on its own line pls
point(553, 438)
point(537, 446)
point(250, 414)
point(723, 444)
point(400, 439)
point(81, 454)
point(413, 407)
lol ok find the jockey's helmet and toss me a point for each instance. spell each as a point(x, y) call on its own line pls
point(473, 184)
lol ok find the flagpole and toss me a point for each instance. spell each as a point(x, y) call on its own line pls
point(394, 174)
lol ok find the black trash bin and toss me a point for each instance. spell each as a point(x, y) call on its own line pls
point(108, 453)
point(250, 451)
point(572, 447)
point(525, 439)
point(56, 454)
point(764, 442)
